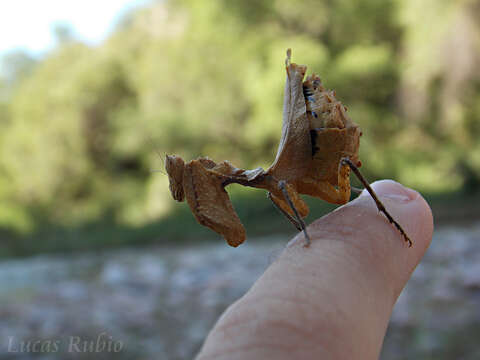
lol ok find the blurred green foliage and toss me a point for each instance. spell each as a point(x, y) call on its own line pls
point(82, 127)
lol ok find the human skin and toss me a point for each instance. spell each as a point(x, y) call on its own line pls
point(334, 299)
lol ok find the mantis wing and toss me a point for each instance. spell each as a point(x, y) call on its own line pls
point(295, 150)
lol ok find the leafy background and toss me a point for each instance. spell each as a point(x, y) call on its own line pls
point(82, 127)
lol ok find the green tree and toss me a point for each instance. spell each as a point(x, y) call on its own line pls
point(81, 126)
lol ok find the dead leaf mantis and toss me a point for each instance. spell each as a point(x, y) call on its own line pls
point(318, 148)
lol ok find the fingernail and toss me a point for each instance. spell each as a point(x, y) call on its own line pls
point(392, 190)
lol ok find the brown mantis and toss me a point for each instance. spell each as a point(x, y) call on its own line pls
point(318, 148)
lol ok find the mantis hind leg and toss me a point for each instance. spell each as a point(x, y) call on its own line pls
point(379, 204)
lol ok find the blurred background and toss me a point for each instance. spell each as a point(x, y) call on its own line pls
point(93, 94)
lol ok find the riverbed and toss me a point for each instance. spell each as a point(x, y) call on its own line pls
point(160, 302)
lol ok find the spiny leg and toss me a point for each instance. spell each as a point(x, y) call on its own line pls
point(281, 185)
point(377, 201)
point(286, 214)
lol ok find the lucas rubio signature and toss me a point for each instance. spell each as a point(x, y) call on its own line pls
point(72, 344)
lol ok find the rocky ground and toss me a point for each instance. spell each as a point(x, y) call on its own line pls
point(159, 303)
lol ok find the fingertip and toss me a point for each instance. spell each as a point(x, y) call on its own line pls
point(392, 189)
point(364, 235)
point(382, 240)
point(409, 209)
point(337, 294)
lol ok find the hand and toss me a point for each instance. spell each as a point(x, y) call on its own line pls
point(334, 299)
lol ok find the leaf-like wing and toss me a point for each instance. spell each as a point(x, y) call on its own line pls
point(294, 151)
